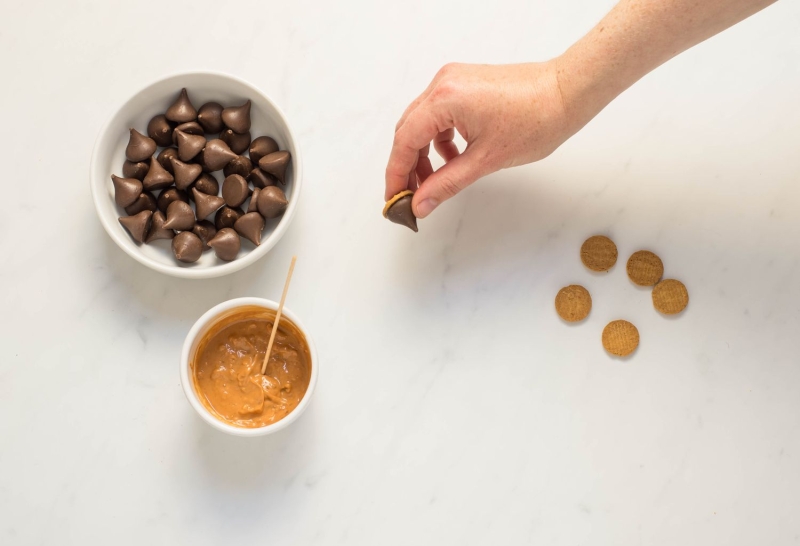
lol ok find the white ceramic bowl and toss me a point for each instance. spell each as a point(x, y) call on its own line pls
point(109, 154)
point(197, 332)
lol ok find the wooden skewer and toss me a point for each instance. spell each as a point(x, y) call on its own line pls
point(278, 316)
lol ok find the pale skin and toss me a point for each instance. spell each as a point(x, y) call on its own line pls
point(511, 115)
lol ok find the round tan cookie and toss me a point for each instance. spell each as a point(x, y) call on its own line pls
point(670, 297)
point(599, 253)
point(645, 268)
point(573, 303)
point(620, 338)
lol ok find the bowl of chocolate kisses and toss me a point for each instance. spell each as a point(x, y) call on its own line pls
point(197, 175)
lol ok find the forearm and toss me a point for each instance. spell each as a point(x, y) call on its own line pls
point(633, 39)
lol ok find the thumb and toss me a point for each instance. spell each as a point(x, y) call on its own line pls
point(457, 174)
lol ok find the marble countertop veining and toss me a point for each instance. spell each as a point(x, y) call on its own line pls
point(453, 406)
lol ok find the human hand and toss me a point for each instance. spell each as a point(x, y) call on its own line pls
point(508, 114)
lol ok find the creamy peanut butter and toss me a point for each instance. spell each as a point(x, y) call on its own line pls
point(227, 368)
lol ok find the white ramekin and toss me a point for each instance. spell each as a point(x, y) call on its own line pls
point(199, 329)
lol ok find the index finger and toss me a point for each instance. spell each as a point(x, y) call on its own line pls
point(418, 131)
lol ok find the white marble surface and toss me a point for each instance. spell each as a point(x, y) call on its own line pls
point(453, 406)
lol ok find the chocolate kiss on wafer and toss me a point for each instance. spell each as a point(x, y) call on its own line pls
point(126, 190)
point(134, 170)
point(157, 177)
point(226, 244)
point(187, 247)
point(217, 154)
point(190, 128)
point(275, 164)
point(253, 205)
point(262, 146)
point(400, 213)
point(237, 142)
point(160, 130)
point(235, 190)
point(227, 216)
point(206, 183)
point(145, 201)
point(241, 166)
point(206, 231)
point(260, 179)
point(205, 204)
point(138, 225)
point(139, 147)
point(157, 230)
point(210, 117)
point(180, 216)
point(237, 117)
point(189, 145)
point(167, 196)
point(165, 156)
point(185, 173)
point(181, 110)
point(250, 227)
point(271, 202)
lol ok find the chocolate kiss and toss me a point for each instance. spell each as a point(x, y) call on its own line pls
point(217, 154)
point(400, 213)
point(262, 146)
point(271, 202)
point(237, 117)
point(126, 190)
point(168, 196)
point(206, 183)
point(185, 173)
point(227, 216)
point(253, 205)
point(260, 179)
point(145, 201)
point(181, 110)
point(180, 216)
point(200, 159)
point(158, 231)
point(190, 128)
point(250, 227)
point(235, 190)
point(189, 145)
point(237, 142)
point(157, 177)
point(138, 225)
point(160, 130)
point(210, 117)
point(134, 170)
point(187, 247)
point(139, 147)
point(226, 244)
point(241, 166)
point(206, 231)
point(165, 156)
point(205, 204)
point(275, 164)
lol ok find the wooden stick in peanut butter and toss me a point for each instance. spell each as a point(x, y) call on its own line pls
point(278, 316)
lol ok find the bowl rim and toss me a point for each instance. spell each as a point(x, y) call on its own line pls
point(188, 384)
point(216, 270)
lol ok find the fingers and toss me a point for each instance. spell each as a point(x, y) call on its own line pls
point(424, 168)
point(417, 132)
point(445, 146)
point(457, 174)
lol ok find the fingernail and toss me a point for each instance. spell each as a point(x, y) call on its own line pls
point(426, 207)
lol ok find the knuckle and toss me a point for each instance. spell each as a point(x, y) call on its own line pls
point(447, 70)
point(446, 89)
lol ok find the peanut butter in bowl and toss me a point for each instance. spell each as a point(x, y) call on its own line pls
point(225, 368)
